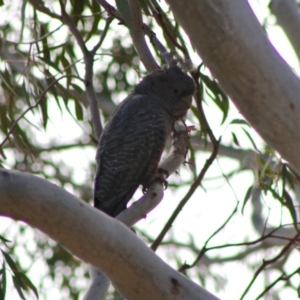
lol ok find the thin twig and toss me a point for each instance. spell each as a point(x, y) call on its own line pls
point(270, 261)
point(203, 250)
point(166, 55)
point(94, 110)
point(103, 35)
point(88, 59)
point(138, 38)
point(283, 277)
point(37, 151)
point(158, 14)
point(42, 8)
point(111, 10)
point(67, 20)
point(31, 107)
point(89, 73)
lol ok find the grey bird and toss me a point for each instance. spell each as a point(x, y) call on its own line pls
point(133, 140)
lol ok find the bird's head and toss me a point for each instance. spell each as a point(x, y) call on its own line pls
point(171, 87)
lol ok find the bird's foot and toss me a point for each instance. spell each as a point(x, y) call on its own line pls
point(160, 176)
point(163, 171)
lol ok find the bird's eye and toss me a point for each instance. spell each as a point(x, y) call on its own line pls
point(175, 91)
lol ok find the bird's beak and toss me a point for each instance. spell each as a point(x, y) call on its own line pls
point(187, 100)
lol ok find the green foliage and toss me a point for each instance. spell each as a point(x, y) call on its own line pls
point(123, 7)
point(216, 94)
point(21, 282)
point(269, 184)
point(240, 122)
point(3, 281)
point(247, 197)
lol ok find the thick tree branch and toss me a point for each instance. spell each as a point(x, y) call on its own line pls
point(99, 285)
point(94, 237)
point(233, 45)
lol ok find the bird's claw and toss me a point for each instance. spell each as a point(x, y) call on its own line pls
point(162, 173)
point(163, 180)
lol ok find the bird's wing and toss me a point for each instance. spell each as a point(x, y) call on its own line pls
point(133, 139)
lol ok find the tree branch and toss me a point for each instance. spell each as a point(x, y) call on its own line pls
point(89, 72)
point(94, 237)
point(265, 263)
point(41, 97)
point(138, 38)
point(258, 80)
point(40, 7)
point(136, 35)
point(282, 277)
point(165, 54)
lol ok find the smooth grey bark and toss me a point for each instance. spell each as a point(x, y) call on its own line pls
point(232, 44)
point(94, 237)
